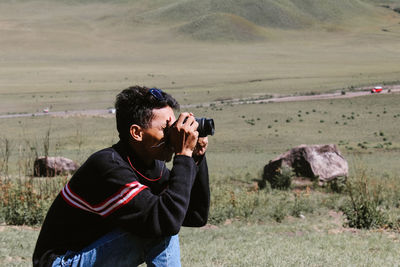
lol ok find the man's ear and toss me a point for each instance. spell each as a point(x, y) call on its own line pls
point(136, 132)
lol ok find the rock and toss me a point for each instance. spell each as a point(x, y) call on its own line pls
point(52, 166)
point(323, 162)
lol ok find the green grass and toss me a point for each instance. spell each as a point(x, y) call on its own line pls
point(17, 245)
point(73, 55)
point(309, 242)
point(223, 27)
point(275, 14)
point(274, 127)
point(247, 136)
point(314, 241)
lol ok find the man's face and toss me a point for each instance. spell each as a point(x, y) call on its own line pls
point(153, 137)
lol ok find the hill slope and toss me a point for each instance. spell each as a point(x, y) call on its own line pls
point(223, 26)
point(228, 19)
point(76, 21)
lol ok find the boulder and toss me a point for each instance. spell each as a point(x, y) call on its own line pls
point(322, 162)
point(52, 166)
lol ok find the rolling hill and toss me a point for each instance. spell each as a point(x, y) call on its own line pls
point(223, 27)
point(229, 19)
point(208, 20)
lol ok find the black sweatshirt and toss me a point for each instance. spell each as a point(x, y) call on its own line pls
point(112, 190)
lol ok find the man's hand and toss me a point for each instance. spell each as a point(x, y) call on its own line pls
point(183, 134)
point(201, 146)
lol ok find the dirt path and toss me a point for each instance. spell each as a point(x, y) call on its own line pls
point(357, 93)
point(94, 112)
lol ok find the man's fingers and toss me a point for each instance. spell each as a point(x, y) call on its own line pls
point(187, 121)
point(184, 118)
point(201, 146)
point(203, 141)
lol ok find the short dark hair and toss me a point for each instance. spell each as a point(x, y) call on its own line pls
point(134, 105)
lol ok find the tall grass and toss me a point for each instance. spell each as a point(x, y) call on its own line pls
point(373, 202)
point(25, 201)
point(5, 156)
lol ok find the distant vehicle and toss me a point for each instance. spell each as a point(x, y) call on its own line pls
point(46, 110)
point(376, 89)
point(111, 110)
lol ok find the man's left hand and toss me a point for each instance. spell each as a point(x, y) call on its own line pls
point(201, 146)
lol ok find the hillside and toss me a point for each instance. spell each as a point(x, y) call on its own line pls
point(223, 27)
point(204, 50)
point(269, 13)
point(208, 20)
point(227, 19)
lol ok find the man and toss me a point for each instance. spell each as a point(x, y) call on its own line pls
point(123, 206)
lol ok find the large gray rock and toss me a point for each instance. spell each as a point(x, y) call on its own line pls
point(52, 166)
point(323, 162)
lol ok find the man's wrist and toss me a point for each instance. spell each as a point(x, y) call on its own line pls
point(188, 153)
point(198, 158)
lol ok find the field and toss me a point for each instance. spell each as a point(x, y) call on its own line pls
point(77, 55)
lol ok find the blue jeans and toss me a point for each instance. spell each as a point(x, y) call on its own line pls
point(119, 248)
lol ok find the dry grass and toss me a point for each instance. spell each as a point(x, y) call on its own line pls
point(73, 55)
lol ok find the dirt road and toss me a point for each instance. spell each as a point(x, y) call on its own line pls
point(356, 93)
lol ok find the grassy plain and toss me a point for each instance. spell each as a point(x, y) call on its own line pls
point(80, 55)
point(310, 242)
point(247, 136)
point(73, 55)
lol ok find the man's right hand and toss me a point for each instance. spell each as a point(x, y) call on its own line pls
point(183, 134)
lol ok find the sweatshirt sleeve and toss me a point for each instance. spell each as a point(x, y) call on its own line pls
point(197, 214)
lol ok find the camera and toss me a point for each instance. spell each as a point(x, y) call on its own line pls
point(206, 127)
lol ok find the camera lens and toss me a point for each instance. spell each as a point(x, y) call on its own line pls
point(206, 127)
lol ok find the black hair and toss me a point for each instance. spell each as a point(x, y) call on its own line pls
point(134, 105)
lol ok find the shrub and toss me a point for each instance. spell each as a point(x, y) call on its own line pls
point(363, 208)
point(279, 212)
point(338, 185)
point(283, 179)
point(228, 203)
point(26, 201)
point(301, 205)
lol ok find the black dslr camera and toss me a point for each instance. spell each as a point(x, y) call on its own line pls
point(206, 127)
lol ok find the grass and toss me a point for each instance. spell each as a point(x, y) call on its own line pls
point(223, 27)
point(280, 126)
point(276, 14)
point(16, 245)
point(314, 241)
point(309, 242)
point(78, 55)
point(275, 128)
point(81, 55)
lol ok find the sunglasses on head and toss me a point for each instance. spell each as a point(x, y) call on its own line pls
point(157, 93)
